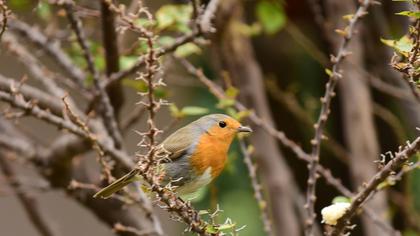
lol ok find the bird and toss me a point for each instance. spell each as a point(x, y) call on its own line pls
point(197, 154)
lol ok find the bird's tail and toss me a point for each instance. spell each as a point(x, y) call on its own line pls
point(117, 185)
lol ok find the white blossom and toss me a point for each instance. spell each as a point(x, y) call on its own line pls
point(332, 213)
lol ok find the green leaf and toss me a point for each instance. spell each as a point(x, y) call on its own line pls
point(187, 50)
point(328, 71)
point(127, 62)
point(249, 30)
point(43, 10)
point(138, 85)
point(194, 111)
point(226, 102)
point(226, 226)
point(402, 46)
point(166, 40)
point(339, 199)
point(211, 229)
point(143, 22)
point(175, 112)
point(414, 14)
point(232, 92)
point(99, 62)
point(174, 17)
point(271, 16)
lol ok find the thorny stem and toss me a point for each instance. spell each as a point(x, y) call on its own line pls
point(5, 13)
point(399, 159)
point(325, 111)
point(258, 194)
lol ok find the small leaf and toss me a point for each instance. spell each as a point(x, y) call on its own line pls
point(226, 226)
point(99, 62)
point(341, 32)
point(249, 30)
point(187, 50)
point(409, 14)
point(127, 62)
point(329, 72)
point(348, 17)
point(175, 112)
point(341, 199)
point(138, 85)
point(194, 111)
point(402, 46)
point(226, 102)
point(211, 229)
point(232, 92)
point(166, 40)
point(203, 212)
point(143, 22)
point(271, 16)
point(43, 10)
point(174, 17)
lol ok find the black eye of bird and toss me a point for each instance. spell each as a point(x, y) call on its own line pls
point(222, 124)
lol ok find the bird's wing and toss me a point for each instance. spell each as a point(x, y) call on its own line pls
point(178, 143)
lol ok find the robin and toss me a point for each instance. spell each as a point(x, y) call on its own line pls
point(197, 154)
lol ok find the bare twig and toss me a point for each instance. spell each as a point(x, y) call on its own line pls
point(42, 99)
point(325, 110)
point(258, 193)
point(398, 160)
point(106, 108)
point(34, 110)
point(52, 48)
point(36, 69)
point(5, 15)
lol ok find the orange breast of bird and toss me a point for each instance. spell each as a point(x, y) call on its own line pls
point(211, 151)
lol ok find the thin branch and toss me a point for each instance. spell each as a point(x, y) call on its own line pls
point(52, 49)
point(30, 108)
point(399, 159)
point(5, 15)
point(27, 200)
point(256, 186)
point(43, 100)
point(36, 69)
point(290, 102)
point(325, 110)
point(106, 109)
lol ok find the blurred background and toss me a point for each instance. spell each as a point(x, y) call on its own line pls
point(274, 53)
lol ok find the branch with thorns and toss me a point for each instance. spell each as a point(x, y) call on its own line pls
point(5, 15)
point(258, 191)
point(399, 159)
point(335, 75)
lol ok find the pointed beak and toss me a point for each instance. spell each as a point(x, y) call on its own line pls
point(244, 129)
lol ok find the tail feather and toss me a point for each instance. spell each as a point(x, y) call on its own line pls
point(116, 185)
